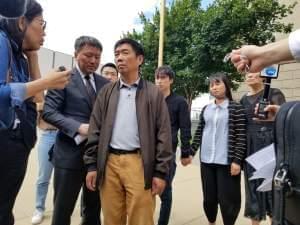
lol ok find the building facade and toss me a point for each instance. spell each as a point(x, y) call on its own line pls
point(49, 60)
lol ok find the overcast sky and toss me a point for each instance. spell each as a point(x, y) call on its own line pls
point(106, 20)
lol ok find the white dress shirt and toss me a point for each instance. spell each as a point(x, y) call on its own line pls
point(92, 79)
point(80, 138)
point(294, 44)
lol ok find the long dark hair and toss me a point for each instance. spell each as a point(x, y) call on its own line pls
point(11, 27)
point(222, 77)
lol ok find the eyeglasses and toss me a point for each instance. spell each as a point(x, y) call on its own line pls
point(43, 23)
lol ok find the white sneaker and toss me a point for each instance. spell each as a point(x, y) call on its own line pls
point(37, 217)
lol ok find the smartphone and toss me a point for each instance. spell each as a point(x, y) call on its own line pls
point(261, 113)
point(270, 72)
point(61, 68)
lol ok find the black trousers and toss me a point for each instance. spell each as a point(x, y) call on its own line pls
point(166, 197)
point(67, 185)
point(220, 188)
point(13, 163)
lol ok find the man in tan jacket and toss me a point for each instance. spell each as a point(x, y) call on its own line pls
point(129, 147)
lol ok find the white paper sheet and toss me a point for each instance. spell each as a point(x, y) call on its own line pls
point(264, 163)
point(266, 185)
point(266, 171)
point(262, 157)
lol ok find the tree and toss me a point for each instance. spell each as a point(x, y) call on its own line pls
point(196, 39)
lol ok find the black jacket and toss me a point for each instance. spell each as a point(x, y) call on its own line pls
point(180, 120)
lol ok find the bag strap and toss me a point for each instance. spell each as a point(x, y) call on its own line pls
point(281, 186)
point(9, 76)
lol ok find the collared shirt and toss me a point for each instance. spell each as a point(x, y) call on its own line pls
point(294, 44)
point(92, 79)
point(125, 133)
point(214, 147)
point(80, 138)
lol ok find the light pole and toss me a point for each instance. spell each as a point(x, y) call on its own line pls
point(161, 32)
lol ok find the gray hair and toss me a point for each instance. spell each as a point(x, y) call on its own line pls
point(87, 40)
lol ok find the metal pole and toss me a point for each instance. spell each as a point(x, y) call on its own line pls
point(161, 32)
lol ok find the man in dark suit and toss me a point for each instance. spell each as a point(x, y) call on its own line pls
point(69, 110)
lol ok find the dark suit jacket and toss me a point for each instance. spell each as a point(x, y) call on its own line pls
point(66, 109)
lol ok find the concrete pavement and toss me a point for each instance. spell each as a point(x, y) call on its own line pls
point(187, 198)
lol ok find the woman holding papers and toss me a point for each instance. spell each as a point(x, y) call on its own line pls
point(259, 135)
point(221, 133)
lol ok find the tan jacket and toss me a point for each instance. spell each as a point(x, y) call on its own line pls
point(153, 124)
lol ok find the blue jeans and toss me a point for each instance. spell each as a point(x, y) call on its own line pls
point(46, 141)
point(166, 197)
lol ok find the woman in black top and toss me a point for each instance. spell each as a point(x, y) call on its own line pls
point(259, 135)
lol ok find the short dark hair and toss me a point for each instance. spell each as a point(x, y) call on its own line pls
point(167, 70)
point(137, 47)
point(109, 65)
point(87, 40)
point(220, 76)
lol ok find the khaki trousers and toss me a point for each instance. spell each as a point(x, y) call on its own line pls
point(123, 197)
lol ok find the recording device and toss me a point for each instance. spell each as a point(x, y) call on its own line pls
point(61, 69)
point(268, 73)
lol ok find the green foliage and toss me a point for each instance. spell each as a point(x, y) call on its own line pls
point(196, 39)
